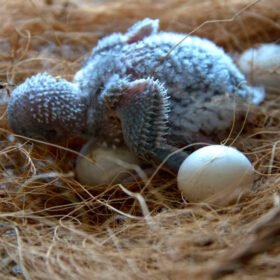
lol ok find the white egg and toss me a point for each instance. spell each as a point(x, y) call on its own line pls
point(261, 65)
point(108, 166)
point(215, 174)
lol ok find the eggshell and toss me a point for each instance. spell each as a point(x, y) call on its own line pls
point(109, 165)
point(215, 173)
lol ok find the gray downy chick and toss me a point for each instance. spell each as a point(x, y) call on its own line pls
point(150, 90)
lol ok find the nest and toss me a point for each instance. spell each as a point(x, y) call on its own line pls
point(52, 227)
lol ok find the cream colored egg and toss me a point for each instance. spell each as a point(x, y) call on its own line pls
point(108, 166)
point(216, 174)
point(261, 65)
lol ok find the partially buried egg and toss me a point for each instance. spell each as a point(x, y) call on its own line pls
point(106, 165)
point(215, 173)
point(261, 65)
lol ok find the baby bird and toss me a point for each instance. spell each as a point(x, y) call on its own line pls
point(152, 91)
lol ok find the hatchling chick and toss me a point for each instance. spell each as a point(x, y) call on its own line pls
point(152, 91)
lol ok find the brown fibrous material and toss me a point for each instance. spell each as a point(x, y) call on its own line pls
point(52, 227)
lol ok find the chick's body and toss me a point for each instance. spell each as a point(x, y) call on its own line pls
point(153, 91)
point(200, 80)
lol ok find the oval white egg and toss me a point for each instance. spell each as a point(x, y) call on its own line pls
point(108, 166)
point(261, 65)
point(216, 174)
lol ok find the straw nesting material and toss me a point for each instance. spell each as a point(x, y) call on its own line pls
point(52, 227)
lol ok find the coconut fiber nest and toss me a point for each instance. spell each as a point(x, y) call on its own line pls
point(52, 227)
